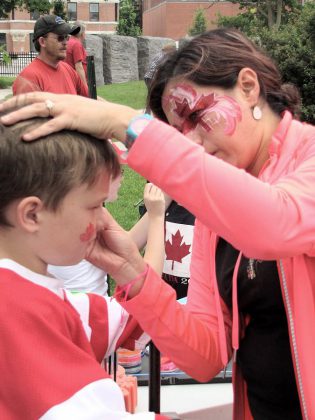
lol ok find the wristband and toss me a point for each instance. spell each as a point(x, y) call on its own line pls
point(136, 126)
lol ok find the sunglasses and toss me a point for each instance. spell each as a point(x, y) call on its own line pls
point(59, 38)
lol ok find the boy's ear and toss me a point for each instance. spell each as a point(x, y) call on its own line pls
point(28, 213)
point(248, 82)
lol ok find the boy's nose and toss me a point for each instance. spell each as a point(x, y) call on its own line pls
point(101, 220)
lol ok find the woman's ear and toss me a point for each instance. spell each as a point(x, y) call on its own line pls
point(28, 213)
point(248, 83)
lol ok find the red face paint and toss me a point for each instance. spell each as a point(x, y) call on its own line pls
point(209, 111)
point(88, 234)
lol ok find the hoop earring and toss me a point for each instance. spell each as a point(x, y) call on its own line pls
point(257, 113)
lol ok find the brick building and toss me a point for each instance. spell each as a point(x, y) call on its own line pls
point(173, 18)
point(100, 17)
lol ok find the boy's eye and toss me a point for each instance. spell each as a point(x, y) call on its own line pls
point(102, 204)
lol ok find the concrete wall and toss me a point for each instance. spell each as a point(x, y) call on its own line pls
point(148, 47)
point(121, 59)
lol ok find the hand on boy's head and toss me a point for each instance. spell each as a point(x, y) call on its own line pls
point(101, 119)
point(115, 252)
point(154, 200)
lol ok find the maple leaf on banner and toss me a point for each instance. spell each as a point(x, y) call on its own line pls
point(175, 250)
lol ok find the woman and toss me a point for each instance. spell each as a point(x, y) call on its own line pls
point(251, 186)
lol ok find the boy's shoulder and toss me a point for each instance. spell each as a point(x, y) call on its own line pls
point(21, 295)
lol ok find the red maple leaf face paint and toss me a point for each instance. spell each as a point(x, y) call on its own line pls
point(209, 111)
point(88, 234)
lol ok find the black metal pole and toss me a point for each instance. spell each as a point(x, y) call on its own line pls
point(91, 79)
point(154, 379)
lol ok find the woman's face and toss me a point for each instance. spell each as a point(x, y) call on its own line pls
point(219, 120)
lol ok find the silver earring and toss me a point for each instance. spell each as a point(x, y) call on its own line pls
point(257, 114)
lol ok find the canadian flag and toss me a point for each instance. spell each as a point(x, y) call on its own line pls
point(178, 242)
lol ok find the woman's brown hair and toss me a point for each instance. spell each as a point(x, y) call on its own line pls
point(215, 58)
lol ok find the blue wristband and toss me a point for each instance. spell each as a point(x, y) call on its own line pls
point(136, 126)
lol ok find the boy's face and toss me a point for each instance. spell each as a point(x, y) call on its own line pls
point(66, 235)
point(114, 188)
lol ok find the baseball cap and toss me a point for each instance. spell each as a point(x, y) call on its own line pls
point(55, 24)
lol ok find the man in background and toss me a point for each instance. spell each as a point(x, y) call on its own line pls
point(49, 72)
point(76, 53)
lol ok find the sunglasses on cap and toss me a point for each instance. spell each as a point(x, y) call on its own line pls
point(59, 38)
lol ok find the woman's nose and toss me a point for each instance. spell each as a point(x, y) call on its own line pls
point(195, 136)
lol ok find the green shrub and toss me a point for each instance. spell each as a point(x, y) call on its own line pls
point(6, 82)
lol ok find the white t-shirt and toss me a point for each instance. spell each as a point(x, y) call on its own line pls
point(83, 277)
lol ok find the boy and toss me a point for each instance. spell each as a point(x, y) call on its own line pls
point(51, 342)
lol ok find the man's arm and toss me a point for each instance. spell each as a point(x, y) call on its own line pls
point(80, 70)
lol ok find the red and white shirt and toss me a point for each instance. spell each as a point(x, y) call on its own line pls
point(51, 346)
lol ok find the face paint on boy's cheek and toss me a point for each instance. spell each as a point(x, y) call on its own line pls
point(88, 234)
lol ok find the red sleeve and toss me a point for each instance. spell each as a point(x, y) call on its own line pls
point(26, 83)
point(190, 339)
point(78, 53)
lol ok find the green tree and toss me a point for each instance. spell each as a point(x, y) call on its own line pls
point(272, 13)
point(59, 9)
point(128, 19)
point(292, 47)
point(4, 55)
point(8, 6)
point(199, 24)
point(246, 22)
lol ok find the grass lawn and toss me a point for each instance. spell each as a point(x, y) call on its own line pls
point(6, 81)
point(132, 94)
point(131, 191)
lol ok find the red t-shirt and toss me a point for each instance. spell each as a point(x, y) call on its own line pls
point(41, 76)
point(76, 53)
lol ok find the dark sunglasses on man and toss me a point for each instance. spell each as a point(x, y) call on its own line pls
point(59, 38)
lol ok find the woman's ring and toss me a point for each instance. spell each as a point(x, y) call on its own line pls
point(49, 105)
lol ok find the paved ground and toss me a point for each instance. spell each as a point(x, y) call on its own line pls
point(4, 93)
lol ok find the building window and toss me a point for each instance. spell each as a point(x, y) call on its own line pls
point(35, 15)
point(116, 11)
point(72, 11)
point(2, 39)
point(32, 46)
point(94, 12)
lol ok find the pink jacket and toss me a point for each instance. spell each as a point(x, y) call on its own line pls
point(271, 218)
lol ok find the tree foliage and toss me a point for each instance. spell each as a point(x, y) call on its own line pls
point(128, 23)
point(292, 47)
point(4, 55)
point(199, 24)
point(8, 6)
point(59, 9)
point(270, 13)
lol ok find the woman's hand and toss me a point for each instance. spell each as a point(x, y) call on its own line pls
point(101, 119)
point(116, 253)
